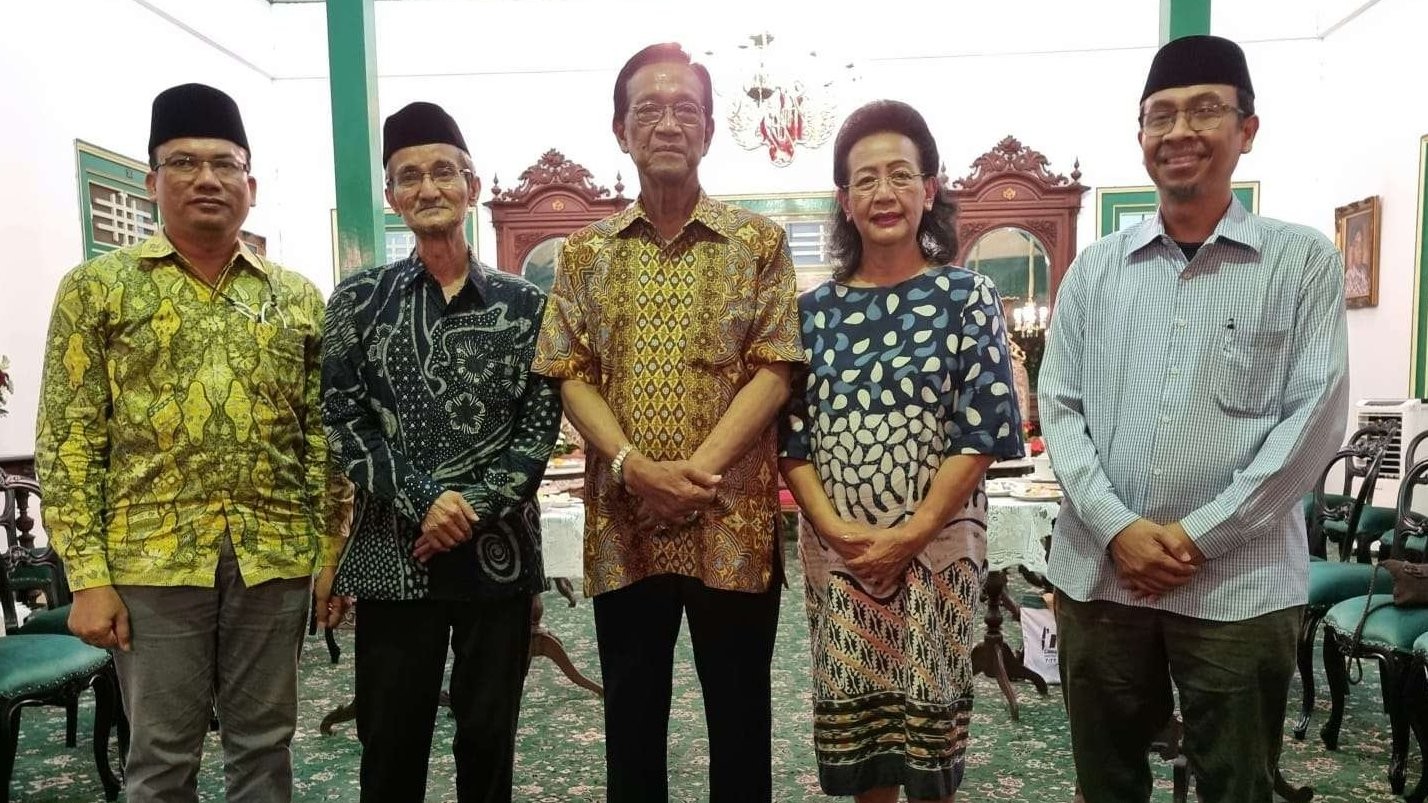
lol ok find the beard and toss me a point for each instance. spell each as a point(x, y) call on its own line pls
point(1181, 192)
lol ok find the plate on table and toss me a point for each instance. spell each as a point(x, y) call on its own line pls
point(1038, 493)
point(564, 468)
point(1002, 487)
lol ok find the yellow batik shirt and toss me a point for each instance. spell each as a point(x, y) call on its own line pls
point(173, 414)
point(669, 334)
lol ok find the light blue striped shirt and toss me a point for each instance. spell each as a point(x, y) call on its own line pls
point(1210, 392)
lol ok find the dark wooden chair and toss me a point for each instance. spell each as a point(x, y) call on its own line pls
point(1371, 626)
point(1340, 518)
point(54, 669)
point(33, 570)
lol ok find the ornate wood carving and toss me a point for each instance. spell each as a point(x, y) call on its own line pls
point(1013, 185)
point(555, 197)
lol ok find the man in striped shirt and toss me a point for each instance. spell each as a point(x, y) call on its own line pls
point(1195, 382)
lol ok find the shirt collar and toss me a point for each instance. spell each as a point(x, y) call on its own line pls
point(414, 269)
point(707, 212)
point(1236, 225)
point(159, 246)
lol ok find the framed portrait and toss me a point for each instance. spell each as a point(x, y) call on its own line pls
point(1119, 208)
point(1356, 228)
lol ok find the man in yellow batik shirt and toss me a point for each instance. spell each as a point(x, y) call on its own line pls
point(184, 464)
point(672, 326)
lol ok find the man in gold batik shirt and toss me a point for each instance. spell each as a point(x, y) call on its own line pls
point(672, 326)
point(184, 464)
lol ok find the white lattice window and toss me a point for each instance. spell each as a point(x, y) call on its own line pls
point(115, 205)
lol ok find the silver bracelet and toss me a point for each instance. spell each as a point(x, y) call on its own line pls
point(617, 466)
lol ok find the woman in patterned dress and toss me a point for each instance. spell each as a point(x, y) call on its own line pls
point(908, 398)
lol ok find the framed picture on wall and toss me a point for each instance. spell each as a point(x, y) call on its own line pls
point(399, 240)
point(1356, 228)
point(115, 207)
point(1119, 208)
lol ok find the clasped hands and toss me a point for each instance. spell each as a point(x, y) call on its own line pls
point(1154, 559)
point(876, 556)
point(672, 493)
point(447, 525)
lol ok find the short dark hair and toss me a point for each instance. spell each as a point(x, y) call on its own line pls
point(937, 232)
point(661, 53)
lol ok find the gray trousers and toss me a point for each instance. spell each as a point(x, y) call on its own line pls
point(230, 645)
point(1118, 664)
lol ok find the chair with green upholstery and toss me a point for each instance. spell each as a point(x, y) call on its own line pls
point(1344, 518)
point(1416, 548)
point(49, 669)
point(1371, 626)
point(1415, 699)
point(32, 569)
point(1333, 581)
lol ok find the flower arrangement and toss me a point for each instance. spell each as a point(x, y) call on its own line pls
point(7, 385)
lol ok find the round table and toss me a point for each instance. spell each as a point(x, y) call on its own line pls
point(1016, 533)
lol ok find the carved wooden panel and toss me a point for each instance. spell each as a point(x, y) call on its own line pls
point(1012, 185)
point(555, 197)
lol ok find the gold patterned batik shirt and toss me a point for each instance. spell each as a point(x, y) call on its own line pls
point(173, 412)
point(669, 333)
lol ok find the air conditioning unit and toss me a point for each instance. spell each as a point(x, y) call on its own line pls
point(1411, 416)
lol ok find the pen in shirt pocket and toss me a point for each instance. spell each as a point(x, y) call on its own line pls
point(1229, 332)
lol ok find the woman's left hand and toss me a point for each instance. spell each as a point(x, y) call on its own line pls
point(885, 557)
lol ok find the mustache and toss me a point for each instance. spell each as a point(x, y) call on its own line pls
point(1166, 154)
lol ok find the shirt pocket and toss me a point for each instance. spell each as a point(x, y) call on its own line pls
point(1248, 371)
point(282, 362)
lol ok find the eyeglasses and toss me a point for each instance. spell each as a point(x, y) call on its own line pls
point(898, 180)
point(1204, 117)
point(187, 166)
point(687, 113)
point(444, 176)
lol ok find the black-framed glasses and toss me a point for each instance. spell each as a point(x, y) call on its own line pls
point(898, 180)
point(444, 176)
point(1200, 117)
point(686, 112)
point(267, 313)
point(224, 167)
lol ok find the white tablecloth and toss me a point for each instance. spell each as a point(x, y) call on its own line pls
point(562, 531)
point(1015, 533)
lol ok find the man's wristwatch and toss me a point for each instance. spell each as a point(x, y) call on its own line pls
point(617, 466)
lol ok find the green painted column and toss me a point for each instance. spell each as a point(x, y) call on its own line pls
point(1183, 18)
point(352, 63)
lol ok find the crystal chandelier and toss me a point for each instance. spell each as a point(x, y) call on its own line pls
point(784, 100)
point(1030, 319)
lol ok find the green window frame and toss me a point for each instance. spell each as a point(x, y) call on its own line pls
point(114, 204)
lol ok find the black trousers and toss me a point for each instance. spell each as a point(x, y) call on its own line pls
point(733, 637)
point(1118, 666)
point(401, 658)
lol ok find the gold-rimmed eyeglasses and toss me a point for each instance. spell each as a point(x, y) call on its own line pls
point(224, 167)
point(686, 112)
point(898, 180)
point(1201, 117)
point(444, 176)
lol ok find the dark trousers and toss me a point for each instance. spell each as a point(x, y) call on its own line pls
point(1118, 664)
point(733, 637)
point(401, 658)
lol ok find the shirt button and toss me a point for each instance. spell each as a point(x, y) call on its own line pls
point(1175, 370)
point(1165, 419)
point(1180, 323)
point(1155, 471)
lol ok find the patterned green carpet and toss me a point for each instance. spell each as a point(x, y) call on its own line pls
point(560, 756)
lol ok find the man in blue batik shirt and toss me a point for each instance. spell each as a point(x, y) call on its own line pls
point(1195, 383)
point(434, 415)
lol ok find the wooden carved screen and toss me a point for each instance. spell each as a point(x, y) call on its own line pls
point(1011, 186)
point(554, 198)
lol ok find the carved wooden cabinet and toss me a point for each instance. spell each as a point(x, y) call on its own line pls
point(1011, 193)
point(554, 198)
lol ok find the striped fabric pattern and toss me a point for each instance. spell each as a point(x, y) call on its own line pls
point(1210, 392)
